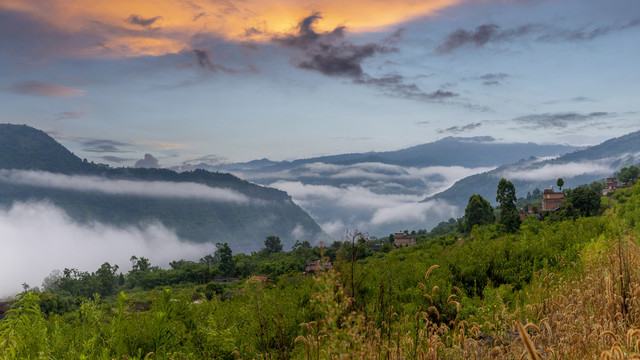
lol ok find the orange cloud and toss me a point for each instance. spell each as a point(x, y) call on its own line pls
point(39, 88)
point(156, 27)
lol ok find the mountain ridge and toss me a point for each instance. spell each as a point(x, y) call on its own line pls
point(243, 224)
point(597, 161)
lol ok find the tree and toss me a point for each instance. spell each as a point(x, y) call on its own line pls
point(50, 283)
point(584, 200)
point(107, 279)
point(560, 182)
point(627, 175)
point(141, 264)
point(224, 258)
point(207, 260)
point(272, 244)
point(506, 196)
point(299, 246)
point(478, 212)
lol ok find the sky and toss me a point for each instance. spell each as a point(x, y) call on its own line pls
point(189, 81)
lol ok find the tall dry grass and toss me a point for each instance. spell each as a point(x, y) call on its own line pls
point(592, 312)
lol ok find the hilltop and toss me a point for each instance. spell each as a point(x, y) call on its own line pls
point(575, 168)
point(34, 167)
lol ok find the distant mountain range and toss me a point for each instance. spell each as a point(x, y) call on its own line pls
point(380, 192)
point(476, 151)
point(199, 205)
point(575, 168)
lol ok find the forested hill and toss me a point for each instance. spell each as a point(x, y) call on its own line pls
point(232, 210)
point(23, 147)
point(576, 168)
point(450, 151)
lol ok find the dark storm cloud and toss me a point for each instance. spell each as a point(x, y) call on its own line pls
point(136, 19)
point(482, 35)
point(203, 59)
point(587, 33)
point(103, 146)
point(489, 33)
point(397, 86)
point(329, 52)
point(560, 120)
point(460, 129)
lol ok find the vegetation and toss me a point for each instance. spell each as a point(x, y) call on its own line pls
point(629, 174)
point(562, 288)
point(506, 197)
point(478, 212)
point(269, 210)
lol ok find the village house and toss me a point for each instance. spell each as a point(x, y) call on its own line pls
point(402, 239)
point(610, 186)
point(551, 200)
point(315, 266)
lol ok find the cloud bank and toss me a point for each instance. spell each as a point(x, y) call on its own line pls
point(112, 29)
point(553, 171)
point(371, 197)
point(121, 187)
point(39, 237)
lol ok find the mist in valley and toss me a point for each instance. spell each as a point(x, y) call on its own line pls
point(38, 237)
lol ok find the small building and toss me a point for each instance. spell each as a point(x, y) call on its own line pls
point(315, 266)
point(611, 185)
point(402, 239)
point(551, 200)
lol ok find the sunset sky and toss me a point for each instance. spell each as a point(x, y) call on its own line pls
point(234, 80)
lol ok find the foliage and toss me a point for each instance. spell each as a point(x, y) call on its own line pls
point(585, 201)
point(241, 224)
point(572, 283)
point(506, 196)
point(478, 212)
point(272, 244)
point(629, 174)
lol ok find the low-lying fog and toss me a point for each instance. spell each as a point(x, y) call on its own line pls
point(39, 237)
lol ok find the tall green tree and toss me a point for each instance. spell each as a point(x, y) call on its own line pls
point(107, 279)
point(584, 200)
point(224, 258)
point(506, 196)
point(272, 244)
point(560, 182)
point(628, 174)
point(478, 212)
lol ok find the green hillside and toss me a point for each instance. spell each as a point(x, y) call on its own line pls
point(612, 155)
point(242, 225)
point(554, 289)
